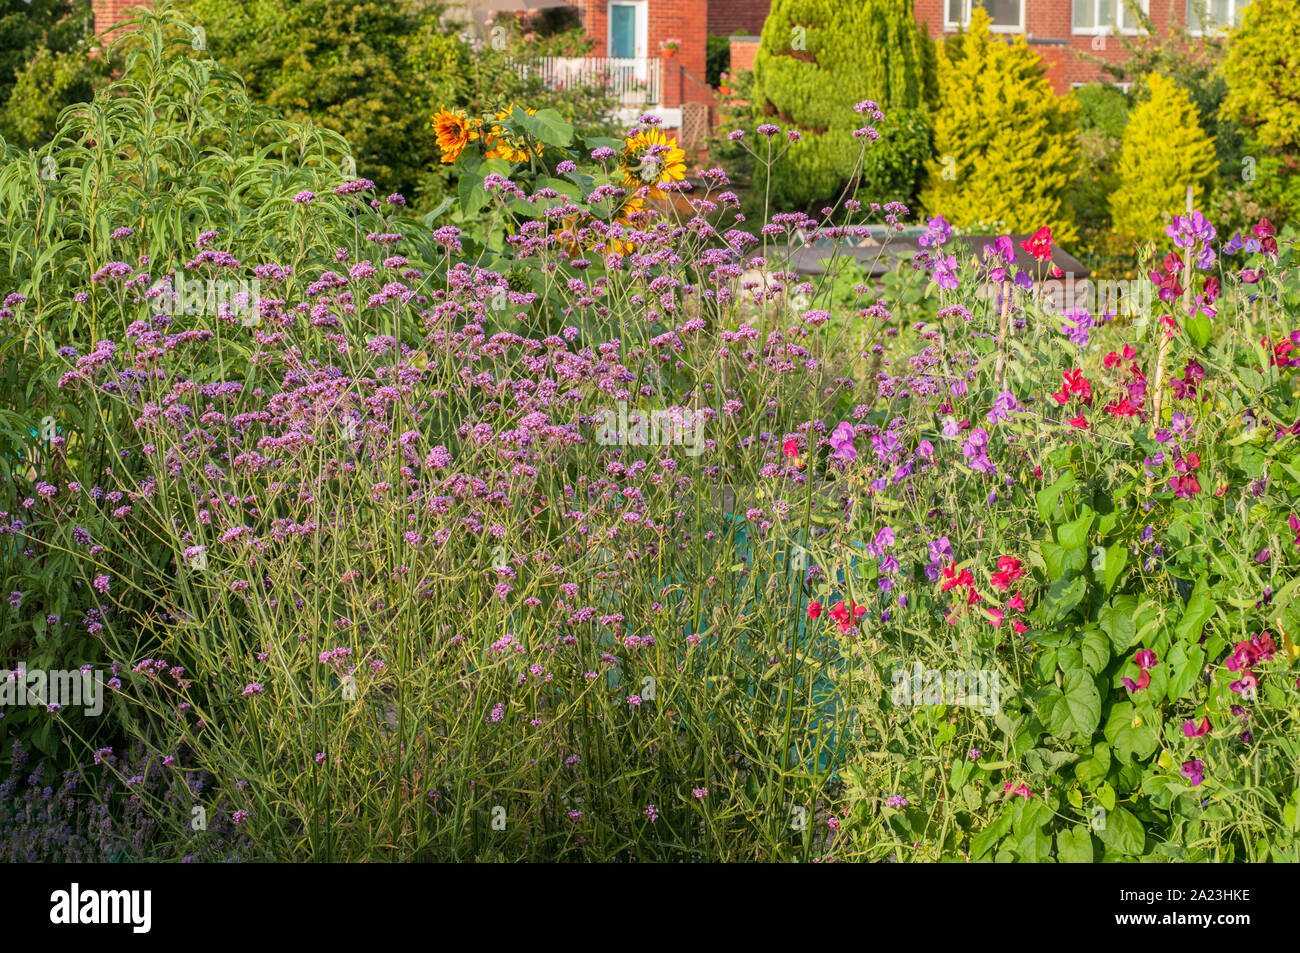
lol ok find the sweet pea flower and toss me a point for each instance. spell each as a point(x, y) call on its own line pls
point(1193, 730)
point(842, 441)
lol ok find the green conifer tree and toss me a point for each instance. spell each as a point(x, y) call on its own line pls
point(1163, 151)
point(1005, 151)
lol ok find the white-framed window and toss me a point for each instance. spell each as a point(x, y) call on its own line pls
point(1218, 15)
point(627, 29)
point(1122, 87)
point(1104, 16)
point(1008, 16)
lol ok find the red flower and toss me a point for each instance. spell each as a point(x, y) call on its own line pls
point(1121, 408)
point(815, 609)
point(1185, 487)
point(952, 579)
point(1008, 571)
point(790, 448)
point(1278, 351)
point(1192, 730)
point(1111, 360)
point(1143, 681)
point(1017, 602)
point(1080, 422)
point(1019, 627)
point(841, 614)
point(1211, 289)
point(1076, 383)
point(1039, 244)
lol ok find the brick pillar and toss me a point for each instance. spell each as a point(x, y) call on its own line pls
point(109, 13)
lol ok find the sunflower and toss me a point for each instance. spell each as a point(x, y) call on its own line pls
point(503, 146)
point(453, 132)
point(653, 159)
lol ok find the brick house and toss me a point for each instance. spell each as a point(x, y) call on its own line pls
point(632, 40)
point(1058, 30)
point(1061, 30)
point(631, 51)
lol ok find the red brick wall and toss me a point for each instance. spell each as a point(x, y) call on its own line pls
point(743, 51)
point(682, 74)
point(111, 12)
point(1048, 29)
point(727, 17)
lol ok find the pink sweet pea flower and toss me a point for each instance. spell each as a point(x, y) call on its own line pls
point(1193, 730)
point(1143, 681)
point(1145, 659)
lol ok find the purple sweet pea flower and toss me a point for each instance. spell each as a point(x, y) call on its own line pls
point(1004, 405)
point(1193, 771)
point(842, 442)
point(937, 232)
point(940, 553)
point(1076, 327)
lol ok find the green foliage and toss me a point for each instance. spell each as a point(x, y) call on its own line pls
point(45, 65)
point(348, 66)
point(1194, 63)
point(1103, 107)
point(1103, 114)
point(29, 26)
point(717, 58)
point(1121, 576)
point(1262, 71)
point(810, 71)
point(1005, 148)
point(1164, 151)
point(48, 84)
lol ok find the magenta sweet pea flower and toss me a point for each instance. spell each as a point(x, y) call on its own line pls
point(1192, 730)
point(1133, 687)
point(842, 442)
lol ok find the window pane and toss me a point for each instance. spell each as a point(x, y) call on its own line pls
point(1123, 18)
point(1003, 12)
point(622, 30)
point(1084, 14)
point(1108, 13)
point(1193, 16)
point(954, 12)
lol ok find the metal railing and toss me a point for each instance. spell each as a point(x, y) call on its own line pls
point(632, 80)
